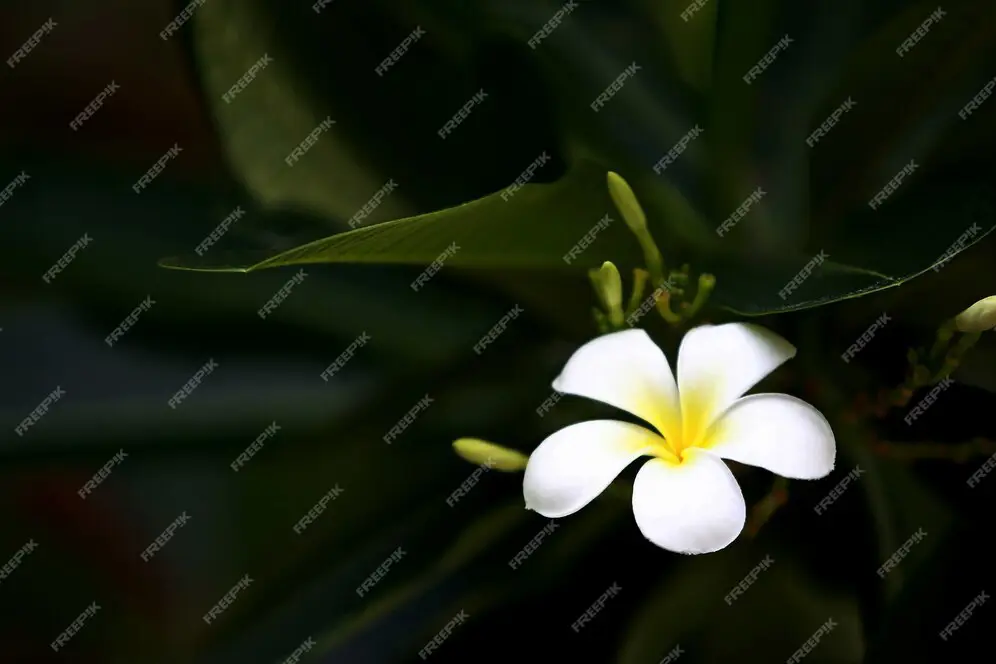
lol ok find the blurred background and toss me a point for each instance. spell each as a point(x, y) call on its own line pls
point(167, 71)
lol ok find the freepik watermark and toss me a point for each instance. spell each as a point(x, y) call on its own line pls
point(980, 97)
point(748, 580)
point(181, 18)
point(649, 303)
point(402, 48)
point(15, 560)
point(318, 508)
point(767, 60)
point(102, 474)
point(553, 23)
point(532, 545)
point(892, 185)
point(679, 147)
point(927, 401)
point(434, 267)
point(614, 87)
point(39, 411)
point(320, 5)
point(957, 246)
point(470, 482)
point(673, 656)
point(965, 614)
point(838, 490)
point(372, 204)
point(380, 572)
point(219, 230)
point(980, 474)
point(497, 329)
point(269, 432)
point(462, 114)
point(128, 322)
point(94, 105)
point(407, 420)
point(345, 356)
point(587, 239)
point(865, 338)
point(309, 142)
point(920, 32)
point(813, 641)
point(900, 553)
point(193, 383)
point(549, 403)
point(165, 536)
point(67, 258)
point(47, 27)
point(596, 607)
point(76, 626)
point(281, 294)
point(227, 600)
point(830, 122)
point(13, 186)
point(157, 168)
point(525, 176)
point(305, 647)
point(803, 274)
point(740, 212)
point(443, 634)
point(692, 9)
point(247, 78)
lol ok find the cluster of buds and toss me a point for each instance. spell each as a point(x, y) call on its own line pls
point(666, 290)
point(954, 338)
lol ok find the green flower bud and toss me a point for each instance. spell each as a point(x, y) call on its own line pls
point(608, 283)
point(481, 452)
point(624, 198)
point(979, 317)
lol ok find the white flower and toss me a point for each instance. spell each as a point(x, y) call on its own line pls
point(685, 499)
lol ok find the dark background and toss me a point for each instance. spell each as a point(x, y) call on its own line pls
point(421, 343)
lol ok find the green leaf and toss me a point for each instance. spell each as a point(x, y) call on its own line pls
point(261, 124)
point(538, 226)
point(535, 227)
point(754, 135)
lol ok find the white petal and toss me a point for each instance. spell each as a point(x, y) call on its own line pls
point(626, 370)
point(571, 467)
point(717, 364)
point(692, 507)
point(778, 432)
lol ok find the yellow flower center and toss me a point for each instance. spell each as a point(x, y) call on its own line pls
point(688, 428)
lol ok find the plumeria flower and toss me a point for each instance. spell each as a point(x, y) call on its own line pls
point(685, 499)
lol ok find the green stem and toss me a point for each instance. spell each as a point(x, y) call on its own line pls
point(640, 278)
point(601, 322)
point(706, 283)
point(664, 309)
point(651, 255)
point(944, 334)
point(762, 512)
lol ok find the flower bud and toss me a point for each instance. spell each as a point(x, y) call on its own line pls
point(979, 317)
point(608, 286)
point(482, 452)
point(624, 198)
